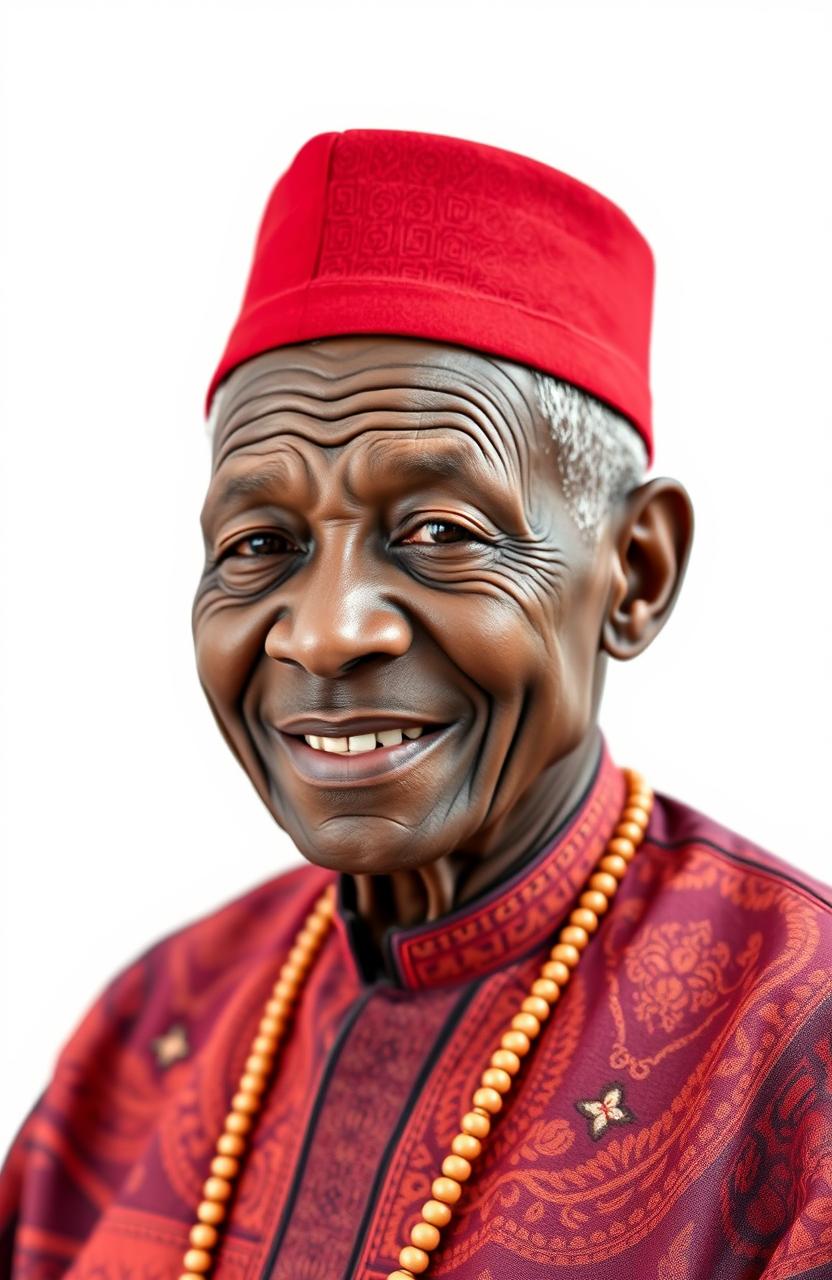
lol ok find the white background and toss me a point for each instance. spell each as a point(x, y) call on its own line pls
point(140, 141)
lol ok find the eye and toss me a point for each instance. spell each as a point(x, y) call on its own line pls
point(439, 533)
point(255, 546)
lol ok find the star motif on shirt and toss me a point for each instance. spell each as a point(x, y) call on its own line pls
point(607, 1110)
point(171, 1047)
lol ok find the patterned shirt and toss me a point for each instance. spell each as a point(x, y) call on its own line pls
point(672, 1122)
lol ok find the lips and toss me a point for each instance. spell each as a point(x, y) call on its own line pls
point(382, 764)
point(367, 722)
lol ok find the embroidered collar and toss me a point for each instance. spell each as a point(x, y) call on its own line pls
point(511, 918)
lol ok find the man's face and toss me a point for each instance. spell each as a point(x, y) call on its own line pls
point(387, 543)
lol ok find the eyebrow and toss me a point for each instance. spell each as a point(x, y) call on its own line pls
point(259, 483)
point(450, 462)
point(454, 462)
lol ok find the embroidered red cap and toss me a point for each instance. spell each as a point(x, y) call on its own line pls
point(386, 231)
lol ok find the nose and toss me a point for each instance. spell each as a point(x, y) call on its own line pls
point(335, 613)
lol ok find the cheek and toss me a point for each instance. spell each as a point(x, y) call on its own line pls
point(502, 642)
point(228, 641)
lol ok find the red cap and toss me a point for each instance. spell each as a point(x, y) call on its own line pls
point(382, 231)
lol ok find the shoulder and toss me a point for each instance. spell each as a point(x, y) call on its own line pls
point(748, 923)
point(186, 976)
point(678, 828)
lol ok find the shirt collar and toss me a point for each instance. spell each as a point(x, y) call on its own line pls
point(510, 919)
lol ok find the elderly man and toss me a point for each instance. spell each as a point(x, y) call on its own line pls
point(516, 1018)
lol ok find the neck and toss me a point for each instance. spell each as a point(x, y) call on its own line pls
point(421, 894)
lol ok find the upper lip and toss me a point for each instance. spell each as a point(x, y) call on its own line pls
point(335, 727)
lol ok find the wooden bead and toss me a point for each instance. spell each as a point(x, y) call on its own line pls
point(516, 1042)
point(447, 1190)
point(230, 1144)
point(575, 935)
point(642, 798)
point(293, 975)
point(527, 1023)
point(546, 989)
point(225, 1167)
point(567, 953)
point(637, 815)
point(265, 1045)
point(271, 1027)
point(635, 781)
point(437, 1213)
point(456, 1167)
point(237, 1122)
point(496, 1078)
point(275, 1009)
point(478, 1126)
point(464, 1145)
point(198, 1260)
point(248, 1103)
point(504, 1058)
point(584, 919)
point(628, 831)
point(285, 991)
point(252, 1084)
point(308, 939)
point(595, 900)
point(210, 1211)
point(536, 1007)
point(615, 865)
point(325, 906)
point(604, 883)
point(259, 1064)
point(190, 1275)
point(489, 1099)
point(316, 925)
point(415, 1260)
point(557, 971)
point(300, 957)
point(203, 1237)
point(425, 1236)
point(216, 1189)
point(400, 1275)
point(624, 848)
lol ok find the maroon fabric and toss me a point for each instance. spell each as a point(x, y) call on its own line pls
point(385, 231)
point(698, 1028)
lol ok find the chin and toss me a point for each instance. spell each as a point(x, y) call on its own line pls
point(365, 845)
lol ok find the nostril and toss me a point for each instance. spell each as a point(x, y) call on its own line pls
point(362, 657)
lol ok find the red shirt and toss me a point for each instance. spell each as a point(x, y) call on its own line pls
point(698, 1024)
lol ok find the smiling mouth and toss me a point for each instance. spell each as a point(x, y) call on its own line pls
point(382, 754)
point(359, 743)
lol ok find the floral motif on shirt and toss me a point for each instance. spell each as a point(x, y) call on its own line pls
point(607, 1110)
point(677, 970)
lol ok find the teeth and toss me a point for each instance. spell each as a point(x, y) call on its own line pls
point(362, 742)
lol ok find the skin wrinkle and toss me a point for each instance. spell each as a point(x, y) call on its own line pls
point(483, 404)
point(499, 639)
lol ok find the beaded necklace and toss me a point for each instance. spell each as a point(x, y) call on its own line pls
point(496, 1080)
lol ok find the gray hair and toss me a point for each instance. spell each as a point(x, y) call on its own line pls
point(600, 456)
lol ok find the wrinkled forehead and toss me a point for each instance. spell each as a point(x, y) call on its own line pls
point(335, 392)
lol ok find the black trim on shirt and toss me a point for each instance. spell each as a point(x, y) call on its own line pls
point(300, 1167)
point(448, 1027)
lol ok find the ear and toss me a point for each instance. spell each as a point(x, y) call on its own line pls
point(652, 541)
